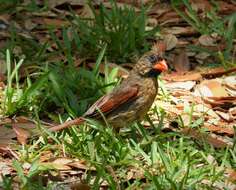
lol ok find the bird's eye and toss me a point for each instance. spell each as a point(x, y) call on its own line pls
point(153, 58)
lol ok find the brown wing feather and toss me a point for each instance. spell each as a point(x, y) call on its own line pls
point(109, 102)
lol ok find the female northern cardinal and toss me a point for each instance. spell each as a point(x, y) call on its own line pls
point(129, 101)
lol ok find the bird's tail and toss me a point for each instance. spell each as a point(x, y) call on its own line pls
point(67, 124)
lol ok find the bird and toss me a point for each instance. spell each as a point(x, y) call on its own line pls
point(129, 101)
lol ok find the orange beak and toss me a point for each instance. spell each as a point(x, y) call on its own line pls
point(161, 66)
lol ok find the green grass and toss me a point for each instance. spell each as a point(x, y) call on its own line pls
point(211, 23)
point(135, 158)
point(125, 38)
point(163, 160)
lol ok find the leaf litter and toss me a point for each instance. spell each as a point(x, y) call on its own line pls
point(211, 100)
point(210, 92)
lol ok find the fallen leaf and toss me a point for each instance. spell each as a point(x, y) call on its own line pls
point(186, 119)
point(190, 76)
point(220, 101)
point(45, 156)
point(207, 40)
point(211, 160)
point(55, 166)
point(206, 110)
point(54, 3)
point(217, 72)
point(231, 174)
point(29, 24)
point(227, 7)
point(120, 5)
point(201, 5)
point(6, 136)
point(170, 40)
point(55, 22)
point(230, 83)
point(62, 161)
point(81, 165)
point(202, 55)
point(5, 169)
point(232, 111)
point(21, 134)
point(181, 62)
point(87, 13)
point(220, 130)
point(176, 30)
point(159, 47)
point(186, 85)
point(226, 116)
point(135, 173)
point(196, 134)
point(80, 186)
point(3, 69)
point(211, 88)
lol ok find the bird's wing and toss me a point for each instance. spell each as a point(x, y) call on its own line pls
point(109, 102)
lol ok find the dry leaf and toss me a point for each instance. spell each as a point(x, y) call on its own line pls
point(54, 3)
point(57, 166)
point(207, 40)
point(202, 55)
point(214, 141)
point(211, 88)
point(80, 186)
point(232, 111)
point(21, 134)
point(230, 82)
point(231, 174)
point(45, 156)
point(135, 173)
point(170, 40)
point(5, 169)
point(220, 101)
point(29, 25)
point(201, 5)
point(226, 116)
point(87, 13)
point(220, 130)
point(159, 47)
point(181, 62)
point(217, 72)
point(206, 110)
point(186, 85)
point(55, 22)
point(60, 163)
point(81, 165)
point(6, 136)
point(120, 5)
point(176, 30)
point(186, 119)
point(191, 76)
point(211, 160)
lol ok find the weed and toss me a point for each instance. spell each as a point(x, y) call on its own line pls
point(16, 97)
point(124, 37)
point(211, 24)
point(56, 85)
point(31, 180)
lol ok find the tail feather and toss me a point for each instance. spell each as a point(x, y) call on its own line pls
point(67, 124)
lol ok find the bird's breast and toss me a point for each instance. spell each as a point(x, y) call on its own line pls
point(136, 108)
point(147, 94)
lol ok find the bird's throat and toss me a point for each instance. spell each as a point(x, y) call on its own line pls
point(152, 73)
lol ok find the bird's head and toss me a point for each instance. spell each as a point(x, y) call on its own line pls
point(150, 65)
